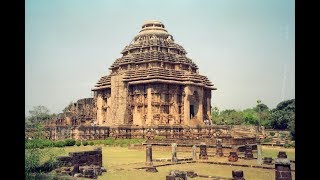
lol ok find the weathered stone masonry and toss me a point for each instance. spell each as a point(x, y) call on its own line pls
point(153, 83)
point(154, 89)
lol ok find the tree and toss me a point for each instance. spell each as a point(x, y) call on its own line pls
point(37, 115)
point(283, 115)
point(251, 117)
point(231, 117)
point(263, 114)
point(261, 107)
point(215, 115)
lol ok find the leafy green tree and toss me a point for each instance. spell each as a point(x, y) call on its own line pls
point(231, 117)
point(292, 130)
point(251, 117)
point(261, 107)
point(37, 115)
point(215, 115)
point(283, 115)
point(263, 114)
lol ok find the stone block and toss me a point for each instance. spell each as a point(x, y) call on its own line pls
point(237, 175)
point(233, 157)
point(267, 160)
point(151, 169)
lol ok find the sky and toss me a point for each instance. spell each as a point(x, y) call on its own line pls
point(245, 47)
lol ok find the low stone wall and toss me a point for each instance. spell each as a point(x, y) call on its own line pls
point(87, 164)
point(154, 134)
point(83, 158)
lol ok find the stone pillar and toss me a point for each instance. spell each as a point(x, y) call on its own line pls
point(282, 154)
point(233, 156)
point(200, 108)
point(219, 147)
point(100, 116)
point(149, 155)
point(149, 97)
point(186, 106)
point(259, 148)
point(119, 100)
point(209, 107)
point(149, 164)
point(248, 152)
point(237, 175)
point(282, 166)
point(194, 152)
point(176, 110)
point(174, 158)
point(203, 151)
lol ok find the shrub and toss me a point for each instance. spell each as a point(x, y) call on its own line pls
point(160, 138)
point(109, 141)
point(272, 133)
point(283, 135)
point(70, 142)
point(59, 144)
point(122, 142)
point(266, 140)
point(78, 143)
point(32, 160)
point(85, 143)
point(289, 145)
point(38, 143)
point(293, 144)
point(33, 164)
point(91, 143)
point(286, 146)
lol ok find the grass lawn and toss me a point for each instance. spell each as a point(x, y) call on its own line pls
point(268, 151)
point(121, 161)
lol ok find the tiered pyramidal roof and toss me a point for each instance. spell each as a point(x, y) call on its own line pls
point(154, 57)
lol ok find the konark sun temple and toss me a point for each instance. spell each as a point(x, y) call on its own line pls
point(153, 90)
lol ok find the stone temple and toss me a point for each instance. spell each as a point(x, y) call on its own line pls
point(154, 91)
point(153, 83)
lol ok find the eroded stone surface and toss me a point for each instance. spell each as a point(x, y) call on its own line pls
point(237, 175)
point(86, 164)
point(203, 151)
point(153, 90)
point(233, 157)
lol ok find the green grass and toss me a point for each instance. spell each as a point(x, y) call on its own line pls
point(273, 152)
point(121, 161)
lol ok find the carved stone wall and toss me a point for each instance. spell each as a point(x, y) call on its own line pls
point(152, 134)
point(82, 112)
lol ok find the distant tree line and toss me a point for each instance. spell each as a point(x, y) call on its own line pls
point(37, 115)
point(282, 117)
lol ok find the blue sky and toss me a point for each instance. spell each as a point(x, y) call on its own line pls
point(245, 47)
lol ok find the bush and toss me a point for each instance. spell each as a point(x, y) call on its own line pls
point(272, 133)
point(266, 140)
point(59, 144)
point(70, 142)
point(283, 135)
point(91, 143)
point(38, 143)
point(85, 143)
point(122, 142)
point(159, 138)
point(78, 143)
point(32, 160)
point(293, 144)
point(33, 164)
point(289, 145)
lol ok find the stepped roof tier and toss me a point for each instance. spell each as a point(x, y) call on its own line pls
point(153, 57)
